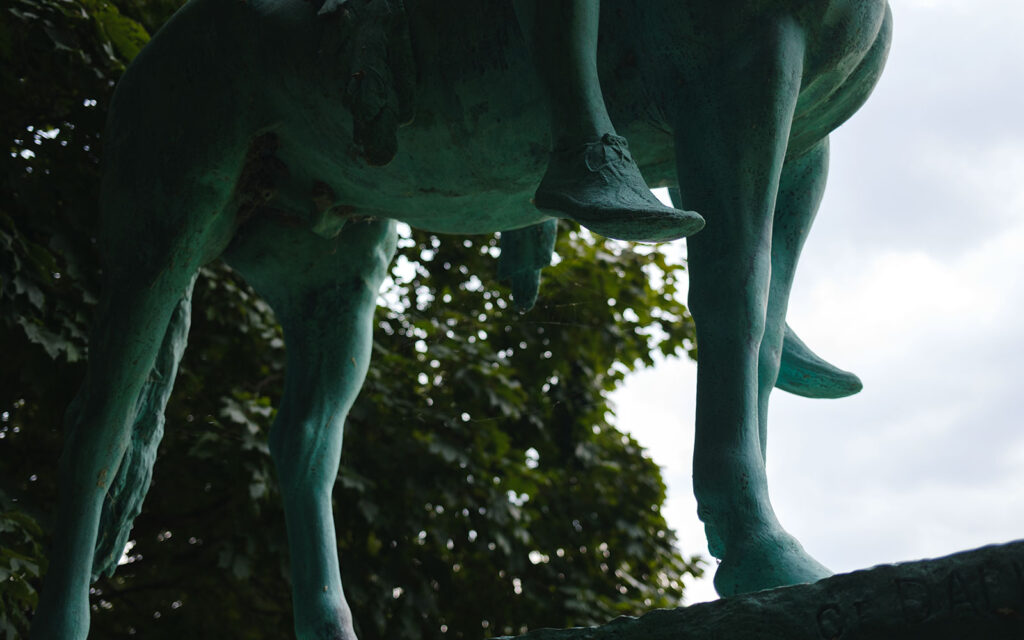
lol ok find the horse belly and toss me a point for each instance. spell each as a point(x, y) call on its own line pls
point(479, 144)
point(449, 175)
point(477, 148)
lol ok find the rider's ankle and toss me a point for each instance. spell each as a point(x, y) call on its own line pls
point(568, 140)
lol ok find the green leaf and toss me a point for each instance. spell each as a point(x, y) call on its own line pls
point(125, 35)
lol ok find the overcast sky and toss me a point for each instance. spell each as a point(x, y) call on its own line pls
point(912, 279)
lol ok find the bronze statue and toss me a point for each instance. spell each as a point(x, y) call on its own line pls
point(251, 160)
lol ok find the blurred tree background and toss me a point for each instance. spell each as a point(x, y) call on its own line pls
point(484, 487)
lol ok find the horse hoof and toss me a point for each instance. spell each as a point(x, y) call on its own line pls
point(765, 561)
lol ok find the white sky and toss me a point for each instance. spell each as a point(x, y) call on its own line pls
point(911, 279)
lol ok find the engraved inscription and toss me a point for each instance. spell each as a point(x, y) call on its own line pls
point(959, 596)
point(861, 607)
point(987, 580)
point(915, 600)
point(830, 622)
point(1019, 572)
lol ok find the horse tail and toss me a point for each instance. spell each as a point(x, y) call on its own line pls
point(123, 501)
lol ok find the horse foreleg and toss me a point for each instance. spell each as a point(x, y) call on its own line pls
point(324, 293)
point(162, 219)
point(131, 323)
point(732, 133)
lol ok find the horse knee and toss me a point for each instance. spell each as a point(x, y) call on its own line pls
point(302, 457)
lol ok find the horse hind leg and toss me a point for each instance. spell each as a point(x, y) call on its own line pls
point(801, 371)
point(801, 188)
point(324, 293)
point(732, 129)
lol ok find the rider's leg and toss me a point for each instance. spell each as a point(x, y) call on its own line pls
point(591, 177)
point(804, 373)
point(562, 35)
point(741, 125)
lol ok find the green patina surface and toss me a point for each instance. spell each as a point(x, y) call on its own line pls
point(252, 159)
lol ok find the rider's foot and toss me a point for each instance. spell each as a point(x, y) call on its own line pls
point(806, 374)
point(599, 186)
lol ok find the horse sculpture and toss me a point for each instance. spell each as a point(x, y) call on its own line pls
point(227, 139)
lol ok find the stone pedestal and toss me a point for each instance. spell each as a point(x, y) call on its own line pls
point(970, 595)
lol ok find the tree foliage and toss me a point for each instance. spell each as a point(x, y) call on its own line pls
point(484, 487)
